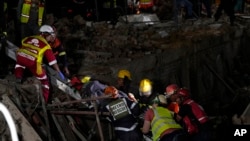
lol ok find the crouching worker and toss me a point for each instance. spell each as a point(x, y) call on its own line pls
point(31, 54)
point(123, 115)
point(161, 122)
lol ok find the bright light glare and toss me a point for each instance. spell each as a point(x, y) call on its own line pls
point(10, 122)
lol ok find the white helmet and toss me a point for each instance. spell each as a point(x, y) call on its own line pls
point(46, 29)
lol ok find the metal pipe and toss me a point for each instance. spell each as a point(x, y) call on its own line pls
point(79, 101)
point(98, 121)
point(79, 113)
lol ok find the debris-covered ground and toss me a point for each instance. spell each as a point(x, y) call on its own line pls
point(93, 45)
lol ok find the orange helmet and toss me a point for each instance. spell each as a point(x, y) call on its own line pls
point(184, 92)
point(111, 90)
point(171, 89)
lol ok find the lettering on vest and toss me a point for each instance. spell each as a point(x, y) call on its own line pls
point(34, 42)
point(118, 109)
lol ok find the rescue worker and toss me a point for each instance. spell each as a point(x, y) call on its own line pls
point(31, 54)
point(124, 113)
point(193, 117)
point(31, 15)
point(124, 84)
point(123, 80)
point(171, 96)
point(145, 91)
point(161, 122)
point(146, 95)
point(60, 54)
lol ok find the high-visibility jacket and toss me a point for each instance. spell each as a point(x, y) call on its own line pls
point(32, 51)
point(197, 110)
point(163, 120)
point(200, 117)
point(25, 13)
point(5, 6)
point(145, 4)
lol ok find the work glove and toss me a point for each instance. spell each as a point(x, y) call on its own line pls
point(61, 75)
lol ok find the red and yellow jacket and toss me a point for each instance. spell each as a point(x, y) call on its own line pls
point(32, 52)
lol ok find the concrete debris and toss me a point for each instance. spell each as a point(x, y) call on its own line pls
point(148, 19)
point(124, 37)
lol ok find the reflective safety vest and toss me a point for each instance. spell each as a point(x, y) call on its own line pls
point(5, 6)
point(197, 110)
point(33, 49)
point(145, 4)
point(163, 120)
point(118, 108)
point(25, 13)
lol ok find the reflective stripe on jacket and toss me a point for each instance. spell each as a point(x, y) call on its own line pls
point(163, 120)
point(197, 110)
point(34, 47)
point(146, 4)
point(25, 13)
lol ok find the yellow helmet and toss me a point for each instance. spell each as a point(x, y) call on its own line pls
point(145, 87)
point(85, 79)
point(123, 73)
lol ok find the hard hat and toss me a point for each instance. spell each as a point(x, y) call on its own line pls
point(171, 89)
point(160, 99)
point(86, 79)
point(123, 73)
point(111, 90)
point(145, 87)
point(46, 29)
point(184, 92)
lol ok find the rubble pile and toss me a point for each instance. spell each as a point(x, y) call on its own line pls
point(96, 43)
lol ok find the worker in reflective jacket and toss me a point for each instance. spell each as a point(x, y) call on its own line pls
point(161, 122)
point(30, 56)
point(30, 14)
point(193, 117)
point(60, 54)
point(171, 96)
point(123, 115)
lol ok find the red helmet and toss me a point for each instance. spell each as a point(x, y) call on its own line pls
point(183, 92)
point(171, 89)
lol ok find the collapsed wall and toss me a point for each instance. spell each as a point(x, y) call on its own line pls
point(205, 56)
